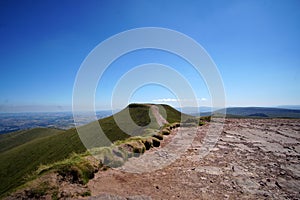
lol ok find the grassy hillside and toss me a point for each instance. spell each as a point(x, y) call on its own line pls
point(23, 151)
point(11, 140)
point(21, 160)
point(140, 115)
point(174, 115)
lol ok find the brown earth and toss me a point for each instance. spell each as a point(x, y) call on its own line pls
point(159, 118)
point(253, 159)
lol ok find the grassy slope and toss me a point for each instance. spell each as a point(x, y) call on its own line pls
point(139, 114)
point(23, 153)
point(11, 140)
point(174, 115)
point(23, 159)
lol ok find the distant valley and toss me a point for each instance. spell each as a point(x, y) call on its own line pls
point(10, 122)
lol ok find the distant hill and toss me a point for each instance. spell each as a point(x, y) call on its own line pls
point(259, 112)
point(22, 152)
point(195, 110)
point(293, 107)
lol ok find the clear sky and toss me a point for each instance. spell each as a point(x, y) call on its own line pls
point(255, 45)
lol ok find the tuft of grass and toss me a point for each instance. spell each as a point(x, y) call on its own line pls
point(137, 147)
point(112, 156)
point(201, 123)
point(158, 135)
point(155, 142)
point(175, 125)
point(86, 193)
point(148, 142)
point(166, 131)
point(154, 133)
point(75, 169)
point(203, 120)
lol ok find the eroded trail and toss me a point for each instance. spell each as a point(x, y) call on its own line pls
point(253, 159)
point(159, 119)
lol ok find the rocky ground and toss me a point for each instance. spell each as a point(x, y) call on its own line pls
point(253, 159)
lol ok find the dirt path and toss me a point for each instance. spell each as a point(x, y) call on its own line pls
point(253, 159)
point(160, 120)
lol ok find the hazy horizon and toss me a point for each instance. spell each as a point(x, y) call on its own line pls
point(53, 108)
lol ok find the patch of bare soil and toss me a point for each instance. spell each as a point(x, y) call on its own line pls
point(159, 119)
point(253, 159)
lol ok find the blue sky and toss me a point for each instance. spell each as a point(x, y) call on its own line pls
point(255, 45)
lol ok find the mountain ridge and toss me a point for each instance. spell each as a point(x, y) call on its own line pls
point(258, 112)
point(17, 160)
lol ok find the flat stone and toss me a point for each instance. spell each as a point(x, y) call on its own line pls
point(209, 170)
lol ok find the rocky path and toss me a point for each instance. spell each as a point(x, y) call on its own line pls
point(253, 159)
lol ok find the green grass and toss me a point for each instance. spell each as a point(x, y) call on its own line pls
point(110, 156)
point(203, 120)
point(11, 140)
point(139, 114)
point(77, 168)
point(20, 161)
point(173, 115)
point(139, 120)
